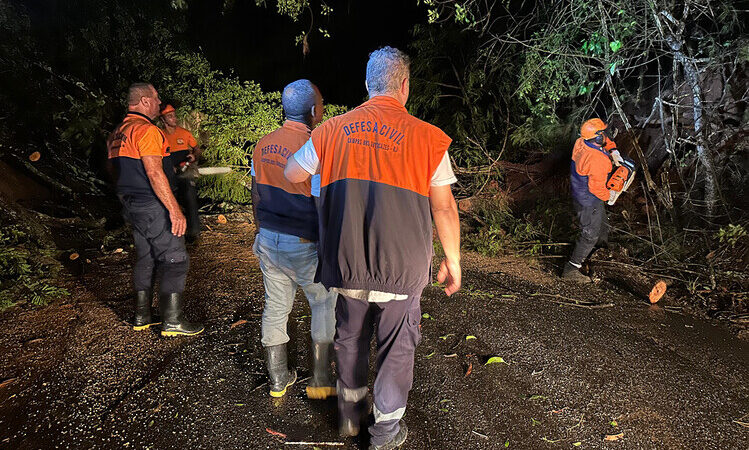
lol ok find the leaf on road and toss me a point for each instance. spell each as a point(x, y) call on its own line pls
point(275, 433)
point(537, 397)
point(577, 444)
point(237, 323)
point(613, 437)
point(7, 382)
point(74, 256)
point(469, 337)
point(447, 336)
point(221, 218)
point(430, 355)
point(34, 157)
point(495, 360)
point(427, 316)
point(613, 423)
point(470, 369)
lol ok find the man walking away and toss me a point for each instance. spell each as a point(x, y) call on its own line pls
point(384, 176)
point(139, 154)
point(184, 149)
point(286, 245)
point(589, 171)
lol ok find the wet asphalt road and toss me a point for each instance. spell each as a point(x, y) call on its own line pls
point(662, 380)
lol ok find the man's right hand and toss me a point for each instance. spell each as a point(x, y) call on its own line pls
point(451, 274)
point(179, 223)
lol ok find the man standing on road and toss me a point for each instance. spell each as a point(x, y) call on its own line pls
point(184, 151)
point(286, 244)
point(139, 154)
point(384, 176)
point(589, 172)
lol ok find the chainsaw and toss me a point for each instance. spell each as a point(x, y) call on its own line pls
point(191, 170)
point(621, 177)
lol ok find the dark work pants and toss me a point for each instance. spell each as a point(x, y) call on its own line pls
point(187, 195)
point(594, 229)
point(155, 246)
point(396, 327)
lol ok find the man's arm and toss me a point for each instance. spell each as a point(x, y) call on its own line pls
point(255, 201)
point(445, 214)
point(295, 172)
point(160, 185)
point(195, 153)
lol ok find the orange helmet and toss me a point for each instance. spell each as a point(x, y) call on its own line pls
point(167, 109)
point(591, 128)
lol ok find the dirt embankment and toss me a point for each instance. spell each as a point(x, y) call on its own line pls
point(74, 375)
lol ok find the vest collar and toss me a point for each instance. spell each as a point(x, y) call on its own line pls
point(595, 147)
point(297, 126)
point(137, 114)
point(384, 101)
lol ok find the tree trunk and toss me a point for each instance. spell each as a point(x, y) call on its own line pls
point(626, 276)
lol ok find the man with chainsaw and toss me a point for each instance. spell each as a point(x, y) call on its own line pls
point(185, 153)
point(286, 244)
point(593, 183)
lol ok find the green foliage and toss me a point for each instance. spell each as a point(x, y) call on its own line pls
point(454, 89)
point(731, 234)
point(26, 269)
point(233, 115)
point(504, 233)
point(533, 233)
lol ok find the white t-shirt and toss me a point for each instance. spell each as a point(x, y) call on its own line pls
point(307, 158)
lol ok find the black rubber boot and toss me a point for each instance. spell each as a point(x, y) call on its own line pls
point(143, 317)
point(280, 377)
point(174, 323)
point(398, 440)
point(322, 384)
point(352, 414)
point(572, 273)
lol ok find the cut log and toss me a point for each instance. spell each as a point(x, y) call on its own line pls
point(631, 278)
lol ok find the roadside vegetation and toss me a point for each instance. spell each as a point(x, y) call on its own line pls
point(511, 84)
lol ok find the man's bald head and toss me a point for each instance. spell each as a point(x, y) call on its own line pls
point(138, 90)
point(143, 98)
point(298, 99)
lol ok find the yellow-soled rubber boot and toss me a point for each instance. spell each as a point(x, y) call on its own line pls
point(322, 384)
point(173, 322)
point(279, 375)
point(143, 318)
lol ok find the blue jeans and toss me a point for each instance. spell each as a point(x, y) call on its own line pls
point(288, 262)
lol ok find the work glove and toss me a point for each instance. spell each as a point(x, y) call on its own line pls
point(617, 157)
point(612, 196)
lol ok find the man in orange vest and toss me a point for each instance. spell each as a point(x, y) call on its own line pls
point(286, 245)
point(589, 171)
point(184, 150)
point(385, 175)
point(139, 154)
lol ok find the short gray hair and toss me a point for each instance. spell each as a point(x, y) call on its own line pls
point(386, 68)
point(138, 90)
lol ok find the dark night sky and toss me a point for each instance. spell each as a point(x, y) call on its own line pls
point(258, 44)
